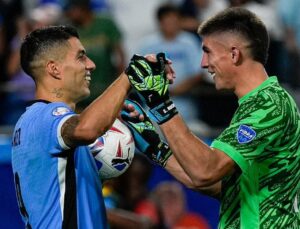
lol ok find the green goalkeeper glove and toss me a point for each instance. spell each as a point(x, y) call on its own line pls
point(150, 81)
point(147, 140)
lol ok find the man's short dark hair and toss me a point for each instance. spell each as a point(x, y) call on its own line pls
point(242, 22)
point(41, 41)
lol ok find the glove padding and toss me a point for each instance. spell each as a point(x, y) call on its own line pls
point(147, 140)
point(150, 81)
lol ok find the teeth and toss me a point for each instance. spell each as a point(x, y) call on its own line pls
point(88, 78)
point(213, 74)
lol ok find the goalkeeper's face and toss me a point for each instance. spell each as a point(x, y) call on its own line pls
point(77, 69)
point(219, 60)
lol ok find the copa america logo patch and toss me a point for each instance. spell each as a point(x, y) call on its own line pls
point(58, 111)
point(245, 134)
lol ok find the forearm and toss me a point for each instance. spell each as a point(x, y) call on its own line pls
point(174, 168)
point(196, 158)
point(98, 117)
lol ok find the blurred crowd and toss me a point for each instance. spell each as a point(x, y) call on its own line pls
point(163, 206)
point(112, 31)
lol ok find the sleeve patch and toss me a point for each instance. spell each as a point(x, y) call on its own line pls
point(245, 134)
point(59, 111)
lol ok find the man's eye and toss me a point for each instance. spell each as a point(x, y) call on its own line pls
point(81, 56)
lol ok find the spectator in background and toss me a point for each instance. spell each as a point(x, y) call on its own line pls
point(127, 199)
point(170, 197)
point(289, 13)
point(20, 87)
point(133, 192)
point(99, 6)
point(196, 11)
point(185, 52)
point(9, 11)
point(136, 18)
point(1, 38)
point(2, 46)
point(103, 42)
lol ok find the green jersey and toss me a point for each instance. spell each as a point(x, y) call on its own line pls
point(264, 141)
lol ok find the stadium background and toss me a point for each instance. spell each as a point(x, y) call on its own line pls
point(216, 107)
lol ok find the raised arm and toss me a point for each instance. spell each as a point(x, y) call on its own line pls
point(148, 142)
point(175, 169)
point(204, 165)
point(98, 117)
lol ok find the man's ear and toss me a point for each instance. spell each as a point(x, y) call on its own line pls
point(236, 55)
point(53, 69)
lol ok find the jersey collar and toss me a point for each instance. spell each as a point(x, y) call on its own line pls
point(38, 101)
point(270, 80)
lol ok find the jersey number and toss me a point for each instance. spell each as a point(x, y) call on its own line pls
point(20, 201)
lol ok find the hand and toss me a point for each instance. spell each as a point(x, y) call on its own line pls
point(147, 140)
point(150, 80)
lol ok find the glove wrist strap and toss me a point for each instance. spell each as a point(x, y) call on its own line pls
point(163, 112)
point(161, 155)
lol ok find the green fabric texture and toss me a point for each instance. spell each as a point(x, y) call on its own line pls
point(264, 192)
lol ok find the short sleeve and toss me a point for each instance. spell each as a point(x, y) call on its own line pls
point(48, 126)
point(251, 133)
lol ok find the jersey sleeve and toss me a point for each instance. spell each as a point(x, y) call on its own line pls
point(253, 130)
point(54, 116)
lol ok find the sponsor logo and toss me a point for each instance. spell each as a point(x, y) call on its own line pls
point(170, 107)
point(119, 162)
point(58, 111)
point(245, 134)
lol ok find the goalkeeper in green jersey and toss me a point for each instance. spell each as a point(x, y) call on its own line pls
point(254, 165)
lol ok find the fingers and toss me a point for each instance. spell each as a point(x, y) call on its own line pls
point(170, 73)
point(151, 57)
point(133, 112)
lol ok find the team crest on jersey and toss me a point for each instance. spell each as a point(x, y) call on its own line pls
point(58, 111)
point(245, 134)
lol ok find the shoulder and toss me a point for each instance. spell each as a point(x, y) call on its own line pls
point(43, 112)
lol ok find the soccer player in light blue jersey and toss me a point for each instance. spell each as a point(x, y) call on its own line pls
point(56, 179)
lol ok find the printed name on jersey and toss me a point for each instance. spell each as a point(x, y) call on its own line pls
point(16, 137)
point(58, 111)
point(245, 134)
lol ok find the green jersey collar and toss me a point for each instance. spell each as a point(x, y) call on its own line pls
point(270, 80)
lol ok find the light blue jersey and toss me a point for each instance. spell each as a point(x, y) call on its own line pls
point(57, 186)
